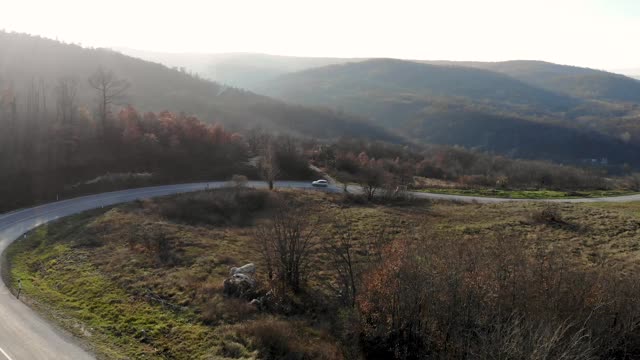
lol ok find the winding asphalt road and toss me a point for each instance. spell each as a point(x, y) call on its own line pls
point(24, 335)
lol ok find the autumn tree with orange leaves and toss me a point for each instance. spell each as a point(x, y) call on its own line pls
point(71, 148)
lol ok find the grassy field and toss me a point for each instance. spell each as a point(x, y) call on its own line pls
point(91, 273)
point(529, 194)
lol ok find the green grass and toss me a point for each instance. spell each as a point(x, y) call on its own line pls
point(83, 273)
point(59, 280)
point(529, 194)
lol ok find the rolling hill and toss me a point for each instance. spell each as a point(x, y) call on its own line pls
point(243, 70)
point(26, 59)
point(446, 104)
point(252, 71)
point(493, 107)
point(570, 80)
point(380, 77)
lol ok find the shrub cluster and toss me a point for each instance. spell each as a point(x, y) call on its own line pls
point(215, 207)
point(495, 298)
point(351, 160)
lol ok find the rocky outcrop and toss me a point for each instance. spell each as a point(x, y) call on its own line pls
point(263, 302)
point(241, 282)
point(248, 269)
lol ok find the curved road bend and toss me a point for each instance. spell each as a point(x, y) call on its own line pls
point(24, 335)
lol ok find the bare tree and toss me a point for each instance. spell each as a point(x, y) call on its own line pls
point(394, 188)
point(110, 89)
point(285, 242)
point(66, 92)
point(350, 262)
point(269, 168)
point(634, 181)
point(13, 110)
point(33, 101)
point(341, 252)
point(256, 139)
point(43, 91)
point(371, 179)
point(13, 115)
point(345, 178)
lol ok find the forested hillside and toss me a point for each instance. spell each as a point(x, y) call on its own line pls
point(29, 63)
point(70, 114)
point(397, 77)
point(397, 91)
point(252, 71)
point(470, 107)
point(571, 80)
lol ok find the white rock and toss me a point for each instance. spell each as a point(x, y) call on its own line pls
point(248, 269)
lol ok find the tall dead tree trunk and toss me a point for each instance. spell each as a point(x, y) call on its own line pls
point(110, 90)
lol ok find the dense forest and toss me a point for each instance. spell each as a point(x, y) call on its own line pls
point(41, 158)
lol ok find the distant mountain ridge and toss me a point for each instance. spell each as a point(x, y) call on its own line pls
point(570, 80)
point(589, 113)
point(393, 77)
point(243, 70)
point(458, 105)
point(496, 107)
point(251, 71)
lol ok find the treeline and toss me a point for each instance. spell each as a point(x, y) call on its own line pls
point(73, 136)
point(383, 163)
point(54, 143)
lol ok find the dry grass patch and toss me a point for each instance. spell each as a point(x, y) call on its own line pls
point(155, 268)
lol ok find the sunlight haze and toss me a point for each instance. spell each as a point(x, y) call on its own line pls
point(592, 33)
point(320, 180)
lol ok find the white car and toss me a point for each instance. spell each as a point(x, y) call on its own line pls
point(320, 183)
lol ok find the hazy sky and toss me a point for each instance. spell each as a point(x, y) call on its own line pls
point(603, 34)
